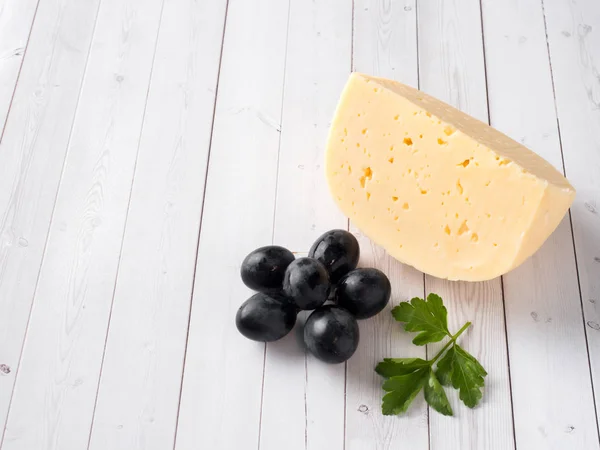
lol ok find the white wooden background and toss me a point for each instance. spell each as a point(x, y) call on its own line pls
point(148, 145)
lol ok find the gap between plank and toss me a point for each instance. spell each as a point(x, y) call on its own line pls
point(512, 407)
point(564, 168)
point(112, 302)
point(428, 410)
point(487, 99)
point(12, 97)
point(348, 228)
point(212, 127)
point(262, 384)
point(51, 217)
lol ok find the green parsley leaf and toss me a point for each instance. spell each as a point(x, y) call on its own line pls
point(429, 317)
point(465, 372)
point(391, 367)
point(445, 366)
point(455, 367)
point(436, 396)
point(401, 391)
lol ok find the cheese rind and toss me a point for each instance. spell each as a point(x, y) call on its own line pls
point(438, 189)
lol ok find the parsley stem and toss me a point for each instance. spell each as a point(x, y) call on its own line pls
point(461, 331)
point(452, 340)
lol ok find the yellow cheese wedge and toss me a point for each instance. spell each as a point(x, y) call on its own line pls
point(438, 189)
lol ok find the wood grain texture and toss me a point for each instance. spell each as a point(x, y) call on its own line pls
point(58, 376)
point(32, 153)
point(104, 158)
point(385, 39)
point(573, 30)
point(382, 337)
point(16, 20)
point(144, 362)
point(310, 415)
point(543, 309)
point(451, 67)
point(222, 384)
point(385, 44)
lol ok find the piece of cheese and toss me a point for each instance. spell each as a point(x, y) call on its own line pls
point(438, 189)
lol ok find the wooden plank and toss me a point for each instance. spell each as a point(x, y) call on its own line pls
point(385, 44)
point(16, 21)
point(382, 337)
point(148, 326)
point(303, 399)
point(573, 31)
point(451, 67)
point(58, 376)
point(221, 396)
point(32, 153)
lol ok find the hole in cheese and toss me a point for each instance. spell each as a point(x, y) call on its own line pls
point(441, 141)
point(447, 230)
point(405, 206)
point(408, 141)
point(463, 228)
point(449, 130)
point(367, 175)
point(465, 163)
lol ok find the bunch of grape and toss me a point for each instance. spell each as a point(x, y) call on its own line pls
point(327, 281)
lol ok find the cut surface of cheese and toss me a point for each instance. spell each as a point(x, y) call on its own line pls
point(438, 189)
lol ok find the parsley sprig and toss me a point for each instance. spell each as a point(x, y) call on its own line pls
point(452, 366)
